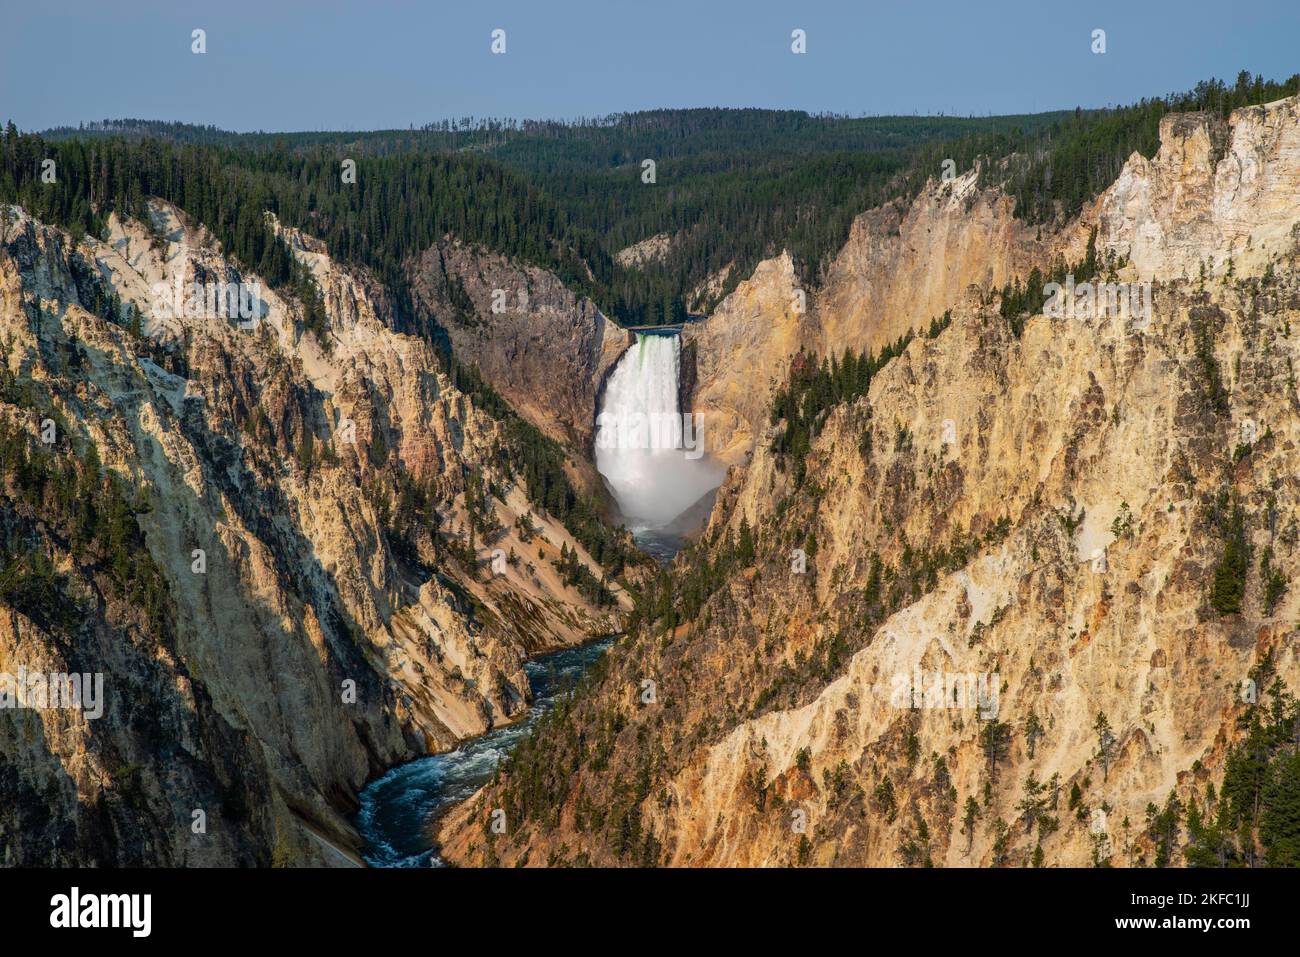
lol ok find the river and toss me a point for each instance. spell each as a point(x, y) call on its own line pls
point(396, 808)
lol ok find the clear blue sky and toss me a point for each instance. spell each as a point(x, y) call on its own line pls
point(328, 64)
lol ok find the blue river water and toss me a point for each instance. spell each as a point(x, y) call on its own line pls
point(396, 808)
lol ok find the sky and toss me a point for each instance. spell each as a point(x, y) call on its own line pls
point(329, 64)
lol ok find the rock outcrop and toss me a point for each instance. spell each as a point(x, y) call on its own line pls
point(1217, 196)
point(648, 250)
point(546, 350)
point(740, 353)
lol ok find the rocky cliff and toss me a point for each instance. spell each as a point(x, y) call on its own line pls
point(901, 267)
point(1216, 193)
point(545, 349)
point(740, 353)
point(1218, 197)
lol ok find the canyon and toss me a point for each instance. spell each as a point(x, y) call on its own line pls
point(388, 571)
point(1046, 508)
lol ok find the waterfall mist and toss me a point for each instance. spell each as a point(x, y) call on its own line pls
point(654, 476)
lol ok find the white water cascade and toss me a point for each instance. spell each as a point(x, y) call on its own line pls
point(652, 458)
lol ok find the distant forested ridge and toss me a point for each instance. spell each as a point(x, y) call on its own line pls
point(732, 186)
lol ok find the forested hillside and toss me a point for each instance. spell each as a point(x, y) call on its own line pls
point(399, 206)
point(731, 187)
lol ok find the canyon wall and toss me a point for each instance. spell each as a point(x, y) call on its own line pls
point(739, 354)
point(1216, 192)
point(273, 647)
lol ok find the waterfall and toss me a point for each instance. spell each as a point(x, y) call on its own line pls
point(651, 456)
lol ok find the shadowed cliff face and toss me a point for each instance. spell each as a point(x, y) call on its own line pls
point(1044, 520)
point(275, 602)
point(546, 350)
